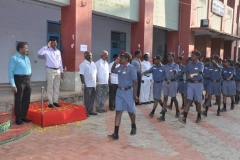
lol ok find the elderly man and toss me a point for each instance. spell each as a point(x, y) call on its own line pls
point(54, 70)
point(88, 76)
point(102, 78)
point(19, 70)
point(136, 62)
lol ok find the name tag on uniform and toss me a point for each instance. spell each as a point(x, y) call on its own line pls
point(196, 68)
point(119, 71)
point(124, 71)
point(225, 71)
point(210, 69)
point(206, 68)
point(179, 70)
point(160, 70)
point(154, 68)
point(216, 69)
point(230, 72)
point(170, 70)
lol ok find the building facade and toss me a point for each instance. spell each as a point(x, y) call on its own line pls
point(153, 26)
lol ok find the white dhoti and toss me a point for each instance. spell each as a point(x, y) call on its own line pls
point(145, 89)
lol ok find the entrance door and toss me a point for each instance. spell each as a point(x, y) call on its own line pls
point(118, 43)
point(54, 31)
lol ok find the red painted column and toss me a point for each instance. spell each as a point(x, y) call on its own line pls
point(76, 29)
point(142, 31)
point(184, 36)
point(203, 44)
point(217, 47)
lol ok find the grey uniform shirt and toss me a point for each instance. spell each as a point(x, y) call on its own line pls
point(137, 64)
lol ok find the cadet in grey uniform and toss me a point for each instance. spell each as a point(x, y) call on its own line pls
point(158, 73)
point(126, 93)
point(228, 86)
point(206, 77)
point(170, 85)
point(237, 81)
point(194, 86)
point(214, 87)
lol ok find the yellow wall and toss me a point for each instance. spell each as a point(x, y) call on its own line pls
point(127, 9)
point(166, 13)
point(228, 19)
point(201, 11)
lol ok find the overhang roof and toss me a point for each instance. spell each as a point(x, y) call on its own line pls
point(214, 33)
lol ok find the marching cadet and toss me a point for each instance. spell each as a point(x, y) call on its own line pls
point(206, 77)
point(194, 86)
point(180, 78)
point(170, 86)
point(237, 81)
point(126, 92)
point(228, 86)
point(146, 81)
point(158, 73)
point(214, 87)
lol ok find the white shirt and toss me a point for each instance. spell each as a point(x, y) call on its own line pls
point(146, 66)
point(53, 57)
point(89, 71)
point(102, 71)
point(113, 76)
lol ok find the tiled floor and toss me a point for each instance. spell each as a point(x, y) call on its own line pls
point(213, 138)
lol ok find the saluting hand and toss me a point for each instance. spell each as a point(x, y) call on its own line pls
point(117, 61)
point(14, 89)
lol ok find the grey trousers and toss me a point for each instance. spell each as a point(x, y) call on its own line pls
point(89, 97)
point(102, 90)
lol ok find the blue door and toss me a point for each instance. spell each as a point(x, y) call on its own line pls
point(118, 43)
point(57, 37)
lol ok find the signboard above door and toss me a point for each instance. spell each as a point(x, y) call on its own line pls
point(218, 7)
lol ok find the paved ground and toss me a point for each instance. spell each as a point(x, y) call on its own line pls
point(214, 138)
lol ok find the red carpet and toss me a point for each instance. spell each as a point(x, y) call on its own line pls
point(55, 116)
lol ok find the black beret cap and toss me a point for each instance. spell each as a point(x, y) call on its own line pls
point(196, 52)
point(158, 57)
point(127, 55)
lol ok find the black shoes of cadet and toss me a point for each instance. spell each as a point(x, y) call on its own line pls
point(114, 136)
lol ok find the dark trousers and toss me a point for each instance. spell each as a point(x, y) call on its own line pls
point(112, 95)
point(139, 78)
point(89, 97)
point(22, 97)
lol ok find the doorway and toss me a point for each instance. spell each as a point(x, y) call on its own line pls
point(118, 43)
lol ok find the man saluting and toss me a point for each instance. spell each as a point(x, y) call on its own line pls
point(126, 92)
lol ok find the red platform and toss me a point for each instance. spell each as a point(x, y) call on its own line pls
point(55, 116)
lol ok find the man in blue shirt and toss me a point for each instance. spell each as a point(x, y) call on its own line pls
point(126, 92)
point(214, 87)
point(170, 85)
point(206, 77)
point(237, 80)
point(194, 86)
point(228, 86)
point(158, 73)
point(19, 70)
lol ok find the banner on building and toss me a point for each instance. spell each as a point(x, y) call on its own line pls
point(218, 7)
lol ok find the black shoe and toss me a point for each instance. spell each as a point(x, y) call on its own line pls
point(26, 120)
point(182, 113)
point(93, 113)
point(204, 113)
point(169, 107)
point(137, 103)
point(232, 106)
point(215, 103)
point(223, 110)
point(151, 115)
point(182, 120)
point(177, 114)
point(148, 102)
point(87, 114)
point(100, 111)
point(162, 118)
point(114, 136)
point(51, 106)
point(218, 113)
point(19, 122)
point(198, 120)
point(112, 109)
point(133, 131)
point(236, 102)
point(56, 104)
point(152, 101)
